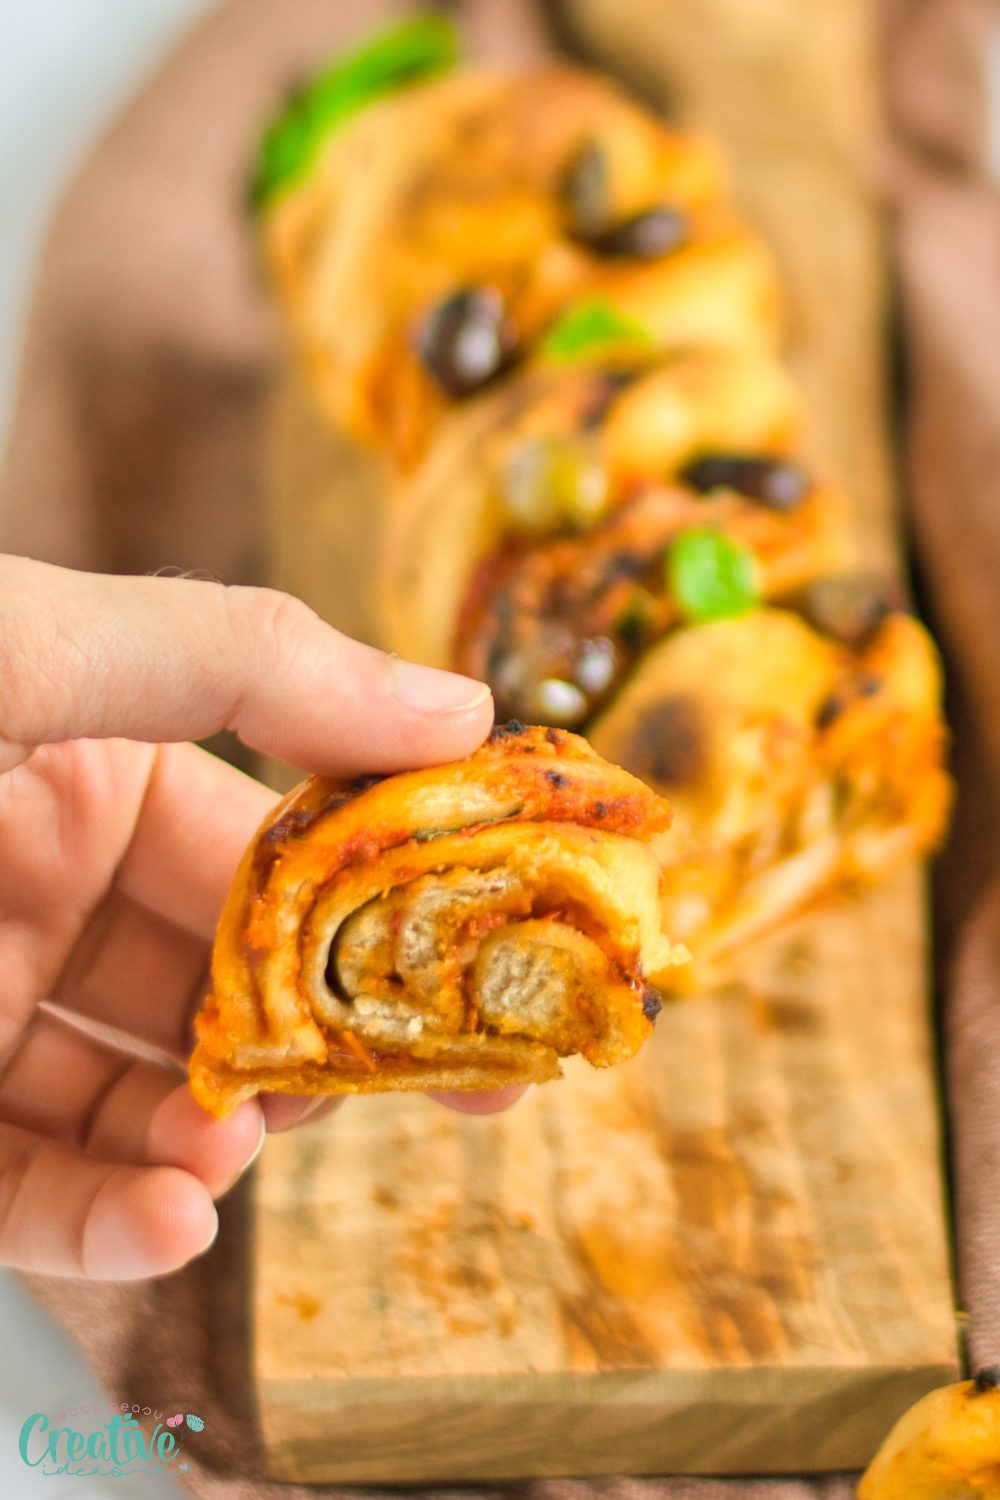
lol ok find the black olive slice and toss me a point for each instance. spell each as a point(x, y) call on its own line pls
point(643, 236)
point(775, 482)
point(466, 340)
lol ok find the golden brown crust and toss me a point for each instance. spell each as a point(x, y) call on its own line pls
point(458, 927)
point(531, 610)
point(459, 182)
point(642, 424)
point(795, 765)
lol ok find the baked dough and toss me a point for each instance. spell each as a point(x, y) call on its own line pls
point(462, 927)
point(795, 765)
point(459, 183)
point(453, 557)
point(619, 533)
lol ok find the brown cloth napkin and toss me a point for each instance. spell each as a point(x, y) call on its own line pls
point(947, 214)
point(137, 441)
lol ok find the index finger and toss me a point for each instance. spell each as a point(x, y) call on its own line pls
point(84, 656)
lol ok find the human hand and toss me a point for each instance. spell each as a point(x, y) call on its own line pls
point(119, 843)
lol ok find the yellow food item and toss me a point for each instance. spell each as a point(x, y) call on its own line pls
point(946, 1447)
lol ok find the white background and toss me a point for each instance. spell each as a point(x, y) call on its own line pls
point(66, 67)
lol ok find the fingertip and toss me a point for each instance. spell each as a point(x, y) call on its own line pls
point(147, 1222)
point(285, 1111)
point(436, 716)
point(317, 699)
point(217, 1152)
point(430, 690)
point(483, 1101)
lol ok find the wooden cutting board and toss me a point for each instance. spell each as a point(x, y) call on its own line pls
point(726, 1256)
point(730, 1255)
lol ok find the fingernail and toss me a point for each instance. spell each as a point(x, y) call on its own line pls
point(234, 1179)
point(212, 1237)
point(259, 1146)
point(487, 1102)
point(431, 691)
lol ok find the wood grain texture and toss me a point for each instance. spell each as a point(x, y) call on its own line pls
point(729, 1255)
point(726, 1256)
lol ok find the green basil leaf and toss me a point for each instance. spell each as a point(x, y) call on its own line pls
point(710, 576)
point(588, 327)
point(424, 835)
point(405, 52)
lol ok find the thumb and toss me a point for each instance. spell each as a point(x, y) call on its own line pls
point(84, 656)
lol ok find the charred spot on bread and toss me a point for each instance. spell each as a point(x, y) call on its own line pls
point(295, 821)
point(667, 745)
point(363, 783)
point(651, 1003)
point(867, 685)
point(500, 733)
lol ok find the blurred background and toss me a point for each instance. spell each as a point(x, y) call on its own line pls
point(66, 69)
